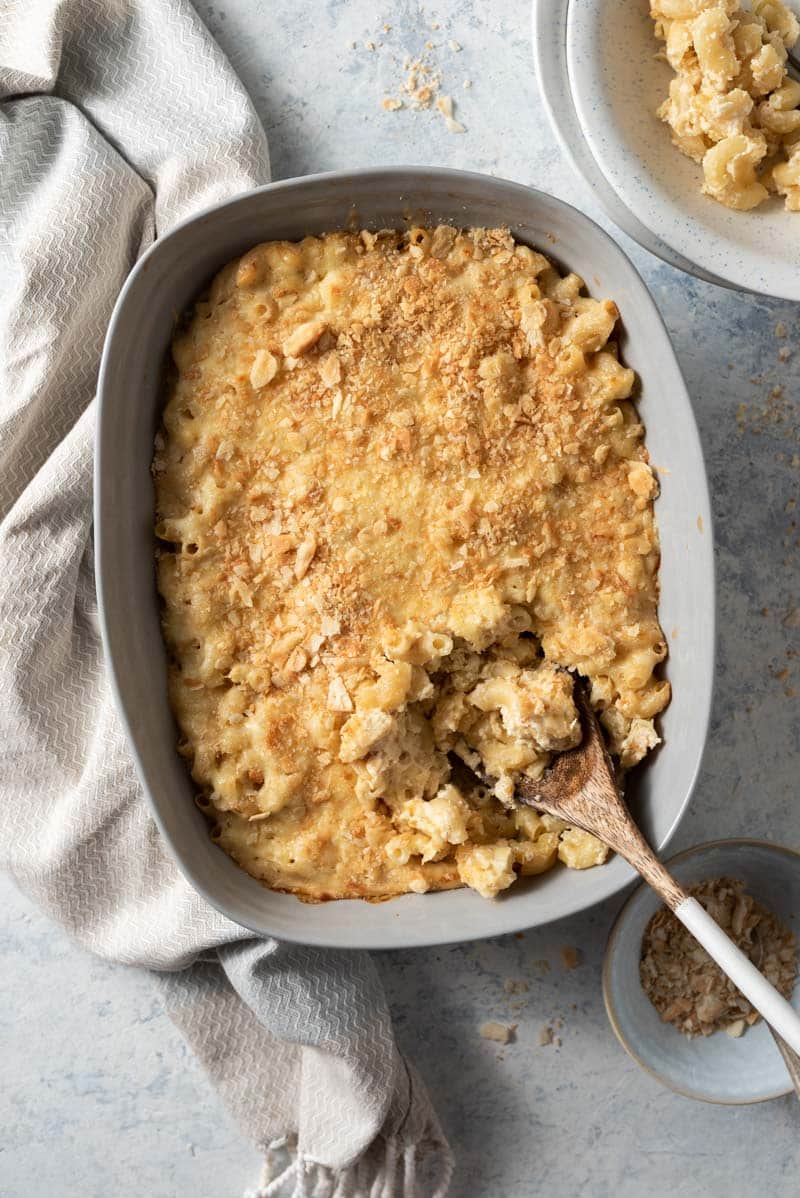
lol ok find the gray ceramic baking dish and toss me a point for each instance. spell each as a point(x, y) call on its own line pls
point(165, 280)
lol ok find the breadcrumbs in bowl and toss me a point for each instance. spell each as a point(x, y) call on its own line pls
point(753, 887)
point(688, 988)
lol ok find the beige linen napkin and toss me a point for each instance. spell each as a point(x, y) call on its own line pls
point(117, 119)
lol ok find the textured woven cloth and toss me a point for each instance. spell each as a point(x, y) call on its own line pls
point(118, 118)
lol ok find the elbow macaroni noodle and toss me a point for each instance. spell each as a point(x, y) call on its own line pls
point(400, 487)
point(731, 106)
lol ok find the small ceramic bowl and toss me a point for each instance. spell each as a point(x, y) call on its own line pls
point(612, 84)
point(717, 1068)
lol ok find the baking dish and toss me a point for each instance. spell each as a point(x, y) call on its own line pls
point(129, 398)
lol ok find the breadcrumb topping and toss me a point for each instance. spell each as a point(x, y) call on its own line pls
point(401, 490)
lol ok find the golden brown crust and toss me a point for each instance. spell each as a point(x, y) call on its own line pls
point(398, 481)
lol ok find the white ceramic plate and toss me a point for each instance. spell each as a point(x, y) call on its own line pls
point(713, 1069)
point(616, 85)
point(163, 283)
point(549, 27)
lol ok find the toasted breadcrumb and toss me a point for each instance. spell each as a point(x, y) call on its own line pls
point(570, 957)
point(386, 554)
point(501, 1033)
point(687, 988)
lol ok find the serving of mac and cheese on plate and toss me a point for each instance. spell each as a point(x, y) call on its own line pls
point(732, 106)
point(401, 491)
point(725, 208)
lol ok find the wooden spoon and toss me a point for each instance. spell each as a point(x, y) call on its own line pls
point(580, 788)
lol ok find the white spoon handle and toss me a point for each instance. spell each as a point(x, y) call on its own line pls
point(753, 985)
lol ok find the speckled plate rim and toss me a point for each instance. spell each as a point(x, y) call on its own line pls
point(549, 42)
point(745, 841)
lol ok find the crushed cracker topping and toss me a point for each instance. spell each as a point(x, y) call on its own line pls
point(383, 560)
point(303, 338)
point(305, 555)
point(338, 698)
point(264, 369)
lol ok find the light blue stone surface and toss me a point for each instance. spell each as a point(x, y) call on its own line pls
point(99, 1096)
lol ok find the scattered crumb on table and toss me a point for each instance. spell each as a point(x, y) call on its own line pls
point(570, 957)
point(501, 1033)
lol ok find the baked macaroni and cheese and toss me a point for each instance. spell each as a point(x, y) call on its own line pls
point(401, 490)
point(732, 107)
